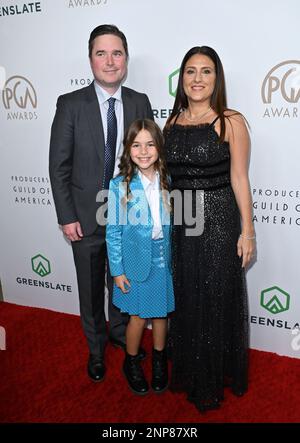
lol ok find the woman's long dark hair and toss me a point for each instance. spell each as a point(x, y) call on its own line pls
point(128, 167)
point(218, 99)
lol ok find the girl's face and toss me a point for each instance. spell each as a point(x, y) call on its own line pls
point(143, 152)
point(199, 78)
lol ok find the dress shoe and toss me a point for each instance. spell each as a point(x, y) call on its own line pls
point(120, 344)
point(159, 382)
point(134, 374)
point(96, 368)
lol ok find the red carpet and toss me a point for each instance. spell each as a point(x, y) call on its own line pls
point(43, 379)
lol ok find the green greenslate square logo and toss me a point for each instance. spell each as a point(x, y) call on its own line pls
point(173, 82)
point(40, 265)
point(275, 300)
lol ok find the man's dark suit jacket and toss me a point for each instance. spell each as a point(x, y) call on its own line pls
point(77, 152)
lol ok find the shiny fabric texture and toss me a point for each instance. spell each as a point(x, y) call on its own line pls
point(129, 245)
point(208, 339)
point(131, 251)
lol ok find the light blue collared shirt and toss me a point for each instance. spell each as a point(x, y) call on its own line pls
point(103, 97)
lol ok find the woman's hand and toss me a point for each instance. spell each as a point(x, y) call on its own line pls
point(121, 281)
point(246, 248)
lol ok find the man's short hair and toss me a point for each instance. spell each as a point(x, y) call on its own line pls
point(104, 30)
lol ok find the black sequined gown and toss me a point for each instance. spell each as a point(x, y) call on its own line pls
point(208, 336)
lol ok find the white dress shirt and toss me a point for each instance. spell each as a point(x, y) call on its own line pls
point(152, 192)
point(103, 97)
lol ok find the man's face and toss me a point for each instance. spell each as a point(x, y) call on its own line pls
point(108, 62)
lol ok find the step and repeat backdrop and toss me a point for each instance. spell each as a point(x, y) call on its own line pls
point(43, 53)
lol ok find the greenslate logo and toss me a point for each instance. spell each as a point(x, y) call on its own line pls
point(173, 81)
point(40, 265)
point(275, 300)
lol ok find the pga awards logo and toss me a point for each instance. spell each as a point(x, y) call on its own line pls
point(19, 98)
point(280, 90)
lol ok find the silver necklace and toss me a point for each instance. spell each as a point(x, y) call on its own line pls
point(199, 117)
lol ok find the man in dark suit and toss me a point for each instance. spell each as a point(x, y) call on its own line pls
point(85, 148)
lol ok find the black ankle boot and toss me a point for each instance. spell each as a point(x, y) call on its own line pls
point(159, 381)
point(134, 374)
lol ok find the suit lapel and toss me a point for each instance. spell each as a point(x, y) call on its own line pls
point(139, 195)
point(95, 122)
point(94, 117)
point(128, 109)
point(164, 214)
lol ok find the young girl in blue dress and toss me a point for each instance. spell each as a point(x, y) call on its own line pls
point(138, 243)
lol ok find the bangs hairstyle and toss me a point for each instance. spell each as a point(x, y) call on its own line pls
point(128, 168)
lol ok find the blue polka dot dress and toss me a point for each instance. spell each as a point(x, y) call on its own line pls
point(153, 297)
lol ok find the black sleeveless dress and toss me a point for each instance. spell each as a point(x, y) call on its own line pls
point(208, 339)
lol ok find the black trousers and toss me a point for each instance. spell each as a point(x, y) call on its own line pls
point(90, 258)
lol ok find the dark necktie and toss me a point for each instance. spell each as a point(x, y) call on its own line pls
point(110, 147)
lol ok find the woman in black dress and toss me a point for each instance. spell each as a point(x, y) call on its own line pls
point(207, 148)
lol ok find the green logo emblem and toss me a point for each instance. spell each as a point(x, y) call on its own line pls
point(275, 300)
point(40, 265)
point(173, 81)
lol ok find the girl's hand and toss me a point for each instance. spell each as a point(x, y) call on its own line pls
point(121, 281)
point(246, 248)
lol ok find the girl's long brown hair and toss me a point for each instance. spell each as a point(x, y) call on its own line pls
point(128, 167)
